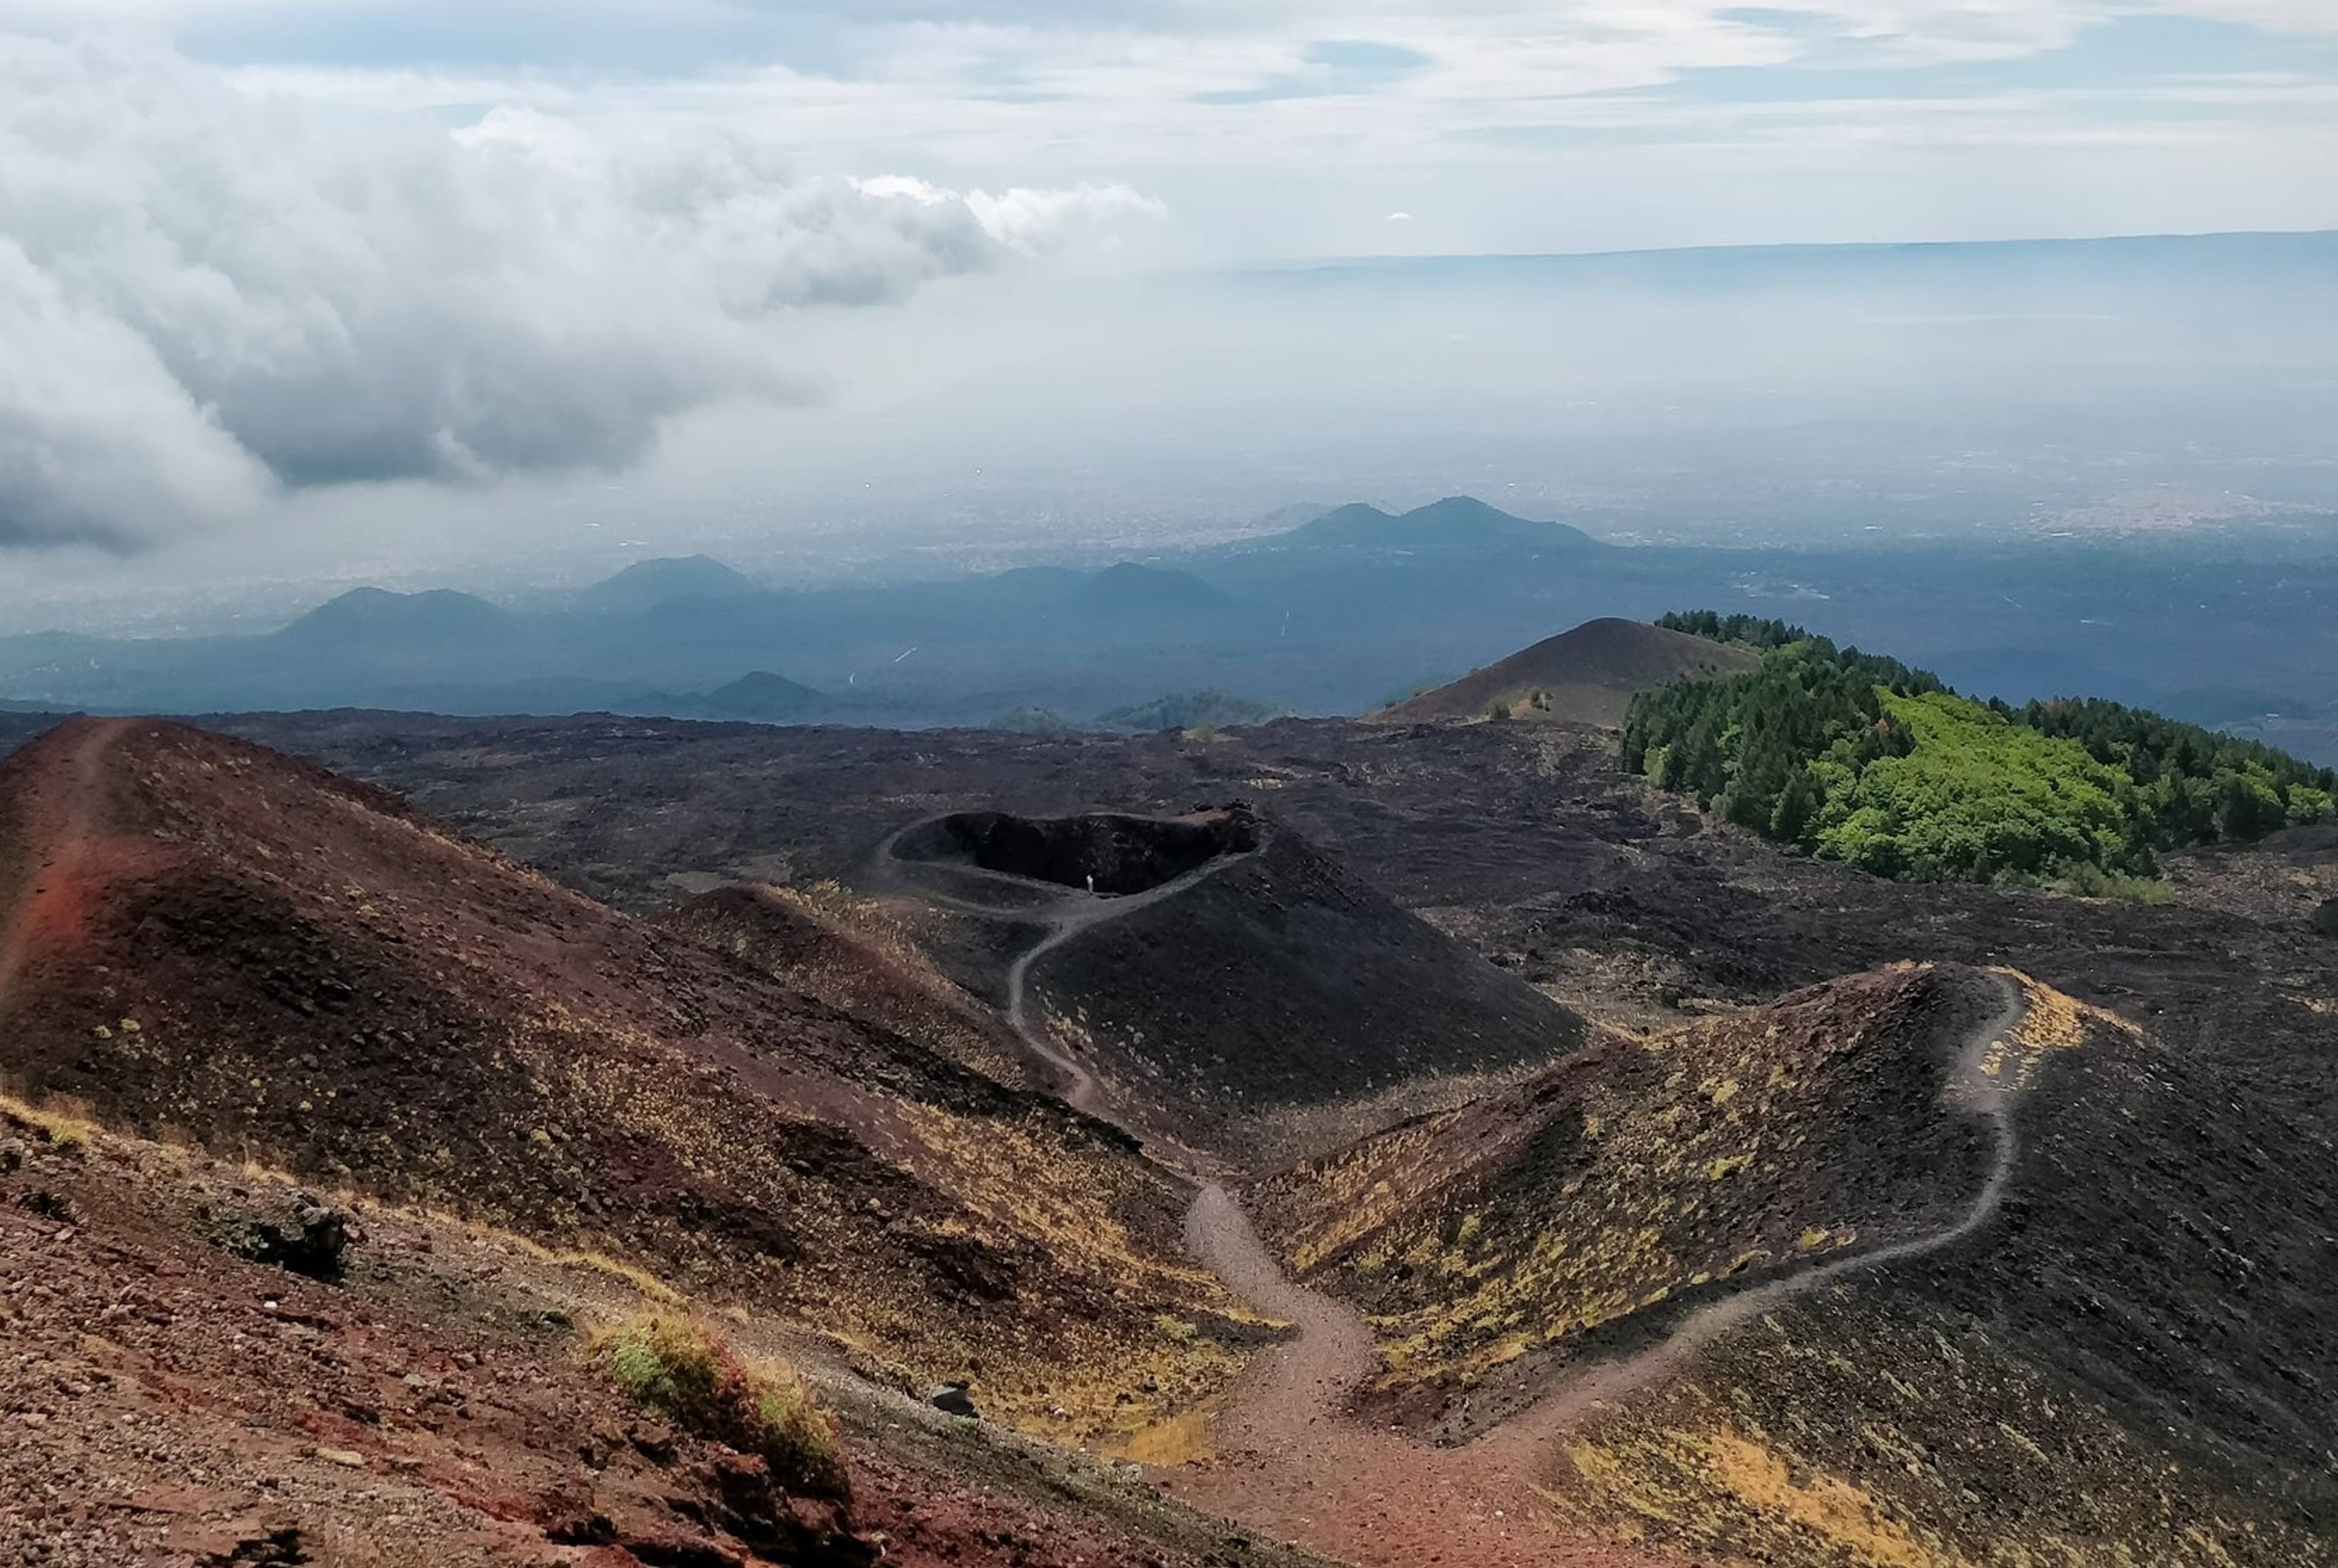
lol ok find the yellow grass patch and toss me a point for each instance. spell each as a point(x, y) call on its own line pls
point(1842, 1514)
point(67, 1123)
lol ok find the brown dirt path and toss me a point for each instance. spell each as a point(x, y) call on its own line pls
point(63, 832)
point(1063, 915)
point(1291, 1461)
point(1305, 1472)
point(1294, 1461)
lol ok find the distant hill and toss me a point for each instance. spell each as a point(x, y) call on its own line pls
point(1588, 675)
point(646, 584)
point(1457, 523)
point(764, 696)
point(1191, 711)
point(758, 697)
point(1858, 756)
point(373, 616)
point(1131, 587)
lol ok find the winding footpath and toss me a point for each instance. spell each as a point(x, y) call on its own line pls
point(61, 828)
point(1294, 1464)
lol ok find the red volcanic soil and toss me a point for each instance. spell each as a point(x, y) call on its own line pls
point(1292, 1458)
point(164, 1403)
point(542, 1115)
point(214, 945)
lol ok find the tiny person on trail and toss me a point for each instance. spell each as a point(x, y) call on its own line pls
point(1091, 882)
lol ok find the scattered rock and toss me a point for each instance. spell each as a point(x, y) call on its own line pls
point(309, 1241)
point(571, 1517)
point(48, 1205)
point(2325, 920)
point(267, 1549)
point(655, 1442)
point(952, 1400)
point(753, 1508)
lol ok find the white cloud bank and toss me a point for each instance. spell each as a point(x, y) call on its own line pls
point(207, 296)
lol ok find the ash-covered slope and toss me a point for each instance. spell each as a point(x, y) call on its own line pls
point(208, 942)
point(842, 952)
point(2100, 1334)
point(1220, 967)
point(1588, 675)
point(1498, 1241)
point(437, 1401)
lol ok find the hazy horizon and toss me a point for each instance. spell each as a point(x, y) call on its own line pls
point(418, 294)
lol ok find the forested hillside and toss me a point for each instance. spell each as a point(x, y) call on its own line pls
point(1860, 757)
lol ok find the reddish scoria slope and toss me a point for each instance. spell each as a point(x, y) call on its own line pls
point(165, 1403)
point(210, 942)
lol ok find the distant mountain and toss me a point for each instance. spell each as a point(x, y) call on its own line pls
point(1588, 675)
point(1192, 711)
point(372, 615)
point(1129, 587)
point(1459, 524)
point(1332, 617)
point(646, 584)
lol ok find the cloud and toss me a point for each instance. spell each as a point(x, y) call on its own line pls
point(98, 441)
point(208, 297)
point(1031, 223)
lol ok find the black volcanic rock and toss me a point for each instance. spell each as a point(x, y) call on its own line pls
point(2325, 920)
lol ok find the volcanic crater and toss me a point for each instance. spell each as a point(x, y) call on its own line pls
point(1103, 852)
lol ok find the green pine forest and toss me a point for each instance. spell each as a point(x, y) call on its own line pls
point(1858, 758)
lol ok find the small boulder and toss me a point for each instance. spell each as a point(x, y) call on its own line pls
point(48, 1205)
point(654, 1440)
point(310, 1240)
point(952, 1400)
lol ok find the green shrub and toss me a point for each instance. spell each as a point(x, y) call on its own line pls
point(694, 1380)
point(1858, 758)
point(2094, 882)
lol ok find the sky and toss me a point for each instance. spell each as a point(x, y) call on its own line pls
point(396, 253)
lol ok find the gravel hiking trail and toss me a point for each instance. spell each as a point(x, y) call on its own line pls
point(60, 828)
point(1294, 1461)
point(1063, 917)
point(1291, 1461)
